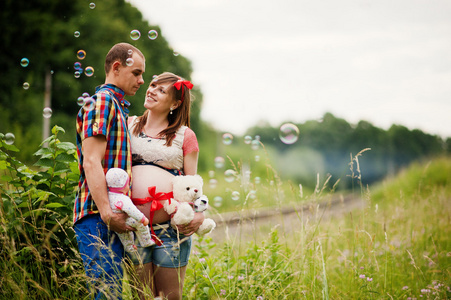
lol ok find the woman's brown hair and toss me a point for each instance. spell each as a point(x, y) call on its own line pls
point(180, 115)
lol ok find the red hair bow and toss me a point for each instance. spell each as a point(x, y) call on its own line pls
point(186, 83)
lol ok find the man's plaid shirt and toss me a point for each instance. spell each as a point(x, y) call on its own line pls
point(108, 118)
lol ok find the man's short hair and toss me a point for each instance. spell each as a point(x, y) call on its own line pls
point(120, 52)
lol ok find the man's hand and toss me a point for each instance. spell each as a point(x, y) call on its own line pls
point(116, 222)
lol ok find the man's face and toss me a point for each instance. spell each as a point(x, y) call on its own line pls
point(130, 77)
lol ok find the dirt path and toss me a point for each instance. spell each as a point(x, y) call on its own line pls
point(257, 223)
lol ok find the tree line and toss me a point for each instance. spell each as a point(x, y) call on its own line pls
point(326, 146)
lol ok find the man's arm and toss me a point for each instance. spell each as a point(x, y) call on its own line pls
point(93, 153)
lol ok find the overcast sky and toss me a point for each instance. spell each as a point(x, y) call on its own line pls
point(384, 61)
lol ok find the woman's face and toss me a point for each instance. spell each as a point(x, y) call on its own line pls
point(159, 97)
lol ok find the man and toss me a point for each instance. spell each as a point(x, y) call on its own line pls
point(103, 143)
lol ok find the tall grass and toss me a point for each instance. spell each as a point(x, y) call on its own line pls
point(389, 241)
point(395, 246)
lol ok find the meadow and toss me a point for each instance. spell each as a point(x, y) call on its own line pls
point(394, 245)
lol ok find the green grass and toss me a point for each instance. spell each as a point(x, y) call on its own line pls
point(395, 246)
point(398, 246)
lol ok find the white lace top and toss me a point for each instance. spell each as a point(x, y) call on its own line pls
point(149, 150)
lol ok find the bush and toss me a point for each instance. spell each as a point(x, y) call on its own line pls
point(38, 255)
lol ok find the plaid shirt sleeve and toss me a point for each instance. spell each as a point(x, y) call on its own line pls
point(109, 120)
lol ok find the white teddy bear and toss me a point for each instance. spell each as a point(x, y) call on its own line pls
point(187, 191)
point(118, 186)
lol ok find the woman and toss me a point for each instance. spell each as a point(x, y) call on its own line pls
point(163, 146)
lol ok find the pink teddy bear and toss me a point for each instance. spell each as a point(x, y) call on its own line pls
point(118, 187)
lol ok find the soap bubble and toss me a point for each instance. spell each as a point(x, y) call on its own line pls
point(255, 144)
point(76, 34)
point(85, 94)
point(219, 162)
point(135, 34)
point(129, 61)
point(152, 34)
point(217, 201)
point(288, 133)
point(213, 183)
point(26, 85)
point(89, 71)
point(47, 112)
point(80, 101)
point(9, 138)
point(257, 180)
point(77, 66)
point(175, 53)
point(229, 175)
point(227, 138)
point(77, 74)
point(24, 62)
point(247, 139)
point(89, 104)
point(235, 195)
point(257, 158)
point(81, 54)
point(252, 194)
point(130, 52)
point(211, 173)
point(92, 5)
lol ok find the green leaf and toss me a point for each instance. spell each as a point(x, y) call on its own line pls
point(54, 205)
point(66, 146)
point(44, 152)
point(3, 165)
point(64, 157)
point(10, 147)
point(57, 129)
point(44, 162)
point(6, 178)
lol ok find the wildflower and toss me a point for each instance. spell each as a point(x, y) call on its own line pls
point(369, 279)
point(230, 277)
point(405, 287)
point(223, 292)
point(259, 298)
point(202, 260)
point(424, 291)
point(361, 268)
point(362, 276)
point(240, 277)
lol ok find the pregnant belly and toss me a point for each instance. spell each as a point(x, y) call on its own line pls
point(145, 176)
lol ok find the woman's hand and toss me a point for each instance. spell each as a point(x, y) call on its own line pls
point(191, 228)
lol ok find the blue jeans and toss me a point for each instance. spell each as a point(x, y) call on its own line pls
point(173, 253)
point(102, 253)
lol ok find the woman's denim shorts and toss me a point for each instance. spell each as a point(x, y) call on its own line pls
point(173, 253)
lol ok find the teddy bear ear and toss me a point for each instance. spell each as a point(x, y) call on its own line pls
point(198, 177)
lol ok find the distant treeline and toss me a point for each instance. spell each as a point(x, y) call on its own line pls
point(325, 146)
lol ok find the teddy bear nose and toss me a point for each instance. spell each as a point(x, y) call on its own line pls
point(195, 190)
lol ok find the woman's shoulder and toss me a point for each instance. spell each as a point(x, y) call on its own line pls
point(132, 120)
point(186, 131)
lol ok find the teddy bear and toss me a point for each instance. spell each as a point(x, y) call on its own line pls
point(187, 196)
point(118, 187)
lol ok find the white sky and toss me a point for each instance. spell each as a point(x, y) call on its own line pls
point(384, 61)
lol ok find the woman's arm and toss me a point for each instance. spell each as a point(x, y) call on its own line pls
point(190, 168)
point(190, 163)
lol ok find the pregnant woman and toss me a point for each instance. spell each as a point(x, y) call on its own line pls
point(163, 146)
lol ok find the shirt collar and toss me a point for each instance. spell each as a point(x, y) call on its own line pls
point(117, 92)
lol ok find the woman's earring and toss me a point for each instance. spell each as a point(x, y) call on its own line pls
point(171, 111)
